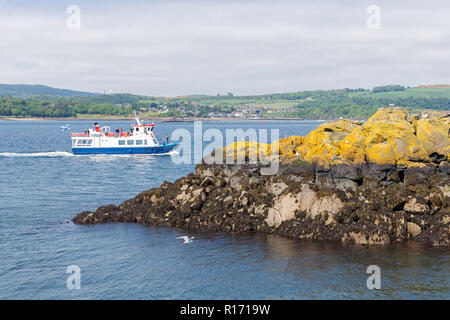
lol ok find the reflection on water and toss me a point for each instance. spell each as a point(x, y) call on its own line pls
point(407, 269)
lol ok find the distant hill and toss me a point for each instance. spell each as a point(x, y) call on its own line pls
point(435, 86)
point(26, 90)
point(358, 103)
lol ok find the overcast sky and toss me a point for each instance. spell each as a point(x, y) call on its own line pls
point(168, 48)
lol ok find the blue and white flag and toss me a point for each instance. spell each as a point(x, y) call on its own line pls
point(66, 127)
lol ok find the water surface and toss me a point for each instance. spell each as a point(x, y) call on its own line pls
point(42, 186)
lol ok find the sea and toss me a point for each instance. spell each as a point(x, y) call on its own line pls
point(43, 186)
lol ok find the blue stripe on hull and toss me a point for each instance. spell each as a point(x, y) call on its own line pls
point(137, 151)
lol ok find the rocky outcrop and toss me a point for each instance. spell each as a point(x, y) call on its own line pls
point(381, 205)
point(391, 136)
point(382, 182)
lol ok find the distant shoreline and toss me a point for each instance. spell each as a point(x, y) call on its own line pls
point(158, 119)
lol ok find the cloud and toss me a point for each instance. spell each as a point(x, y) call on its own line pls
point(245, 47)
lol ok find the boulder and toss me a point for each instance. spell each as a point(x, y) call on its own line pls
point(413, 229)
point(352, 147)
point(433, 136)
point(389, 114)
point(390, 137)
point(246, 151)
point(322, 145)
point(381, 153)
point(414, 206)
point(286, 148)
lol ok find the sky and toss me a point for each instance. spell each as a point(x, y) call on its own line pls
point(175, 48)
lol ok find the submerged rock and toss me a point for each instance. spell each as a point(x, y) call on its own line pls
point(385, 181)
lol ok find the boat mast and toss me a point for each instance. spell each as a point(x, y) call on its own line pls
point(137, 119)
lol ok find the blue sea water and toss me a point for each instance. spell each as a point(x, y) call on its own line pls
point(42, 186)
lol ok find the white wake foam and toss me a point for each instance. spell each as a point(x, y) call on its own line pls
point(69, 154)
point(35, 154)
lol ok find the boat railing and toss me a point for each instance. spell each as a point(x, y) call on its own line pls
point(120, 135)
point(73, 134)
point(109, 134)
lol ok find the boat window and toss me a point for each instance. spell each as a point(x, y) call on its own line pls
point(145, 142)
point(155, 141)
point(138, 142)
point(81, 142)
point(137, 129)
point(74, 142)
point(121, 142)
point(130, 142)
point(89, 142)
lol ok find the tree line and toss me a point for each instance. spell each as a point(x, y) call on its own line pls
point(319, 104)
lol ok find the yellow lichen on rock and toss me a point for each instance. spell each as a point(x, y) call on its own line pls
point(246, 151)
point(433, 135)
point(395, 139)
point(352, 147)
point(381, 153)
point(286, 147)
point(436, 115)
point(390, 136)
point(322, 145)
point(389, 114)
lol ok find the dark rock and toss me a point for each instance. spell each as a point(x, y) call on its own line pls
point(366, 204)
point(346, 172)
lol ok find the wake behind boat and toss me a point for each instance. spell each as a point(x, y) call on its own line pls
point(140, 140)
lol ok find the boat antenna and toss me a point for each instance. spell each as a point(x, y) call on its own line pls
point(137, 118)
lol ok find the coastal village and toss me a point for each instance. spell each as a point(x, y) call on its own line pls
point(332, 104)
point(243, 111)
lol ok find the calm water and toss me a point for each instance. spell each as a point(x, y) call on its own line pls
point(42, 187)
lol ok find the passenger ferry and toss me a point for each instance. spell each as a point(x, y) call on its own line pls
point(140, 140)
